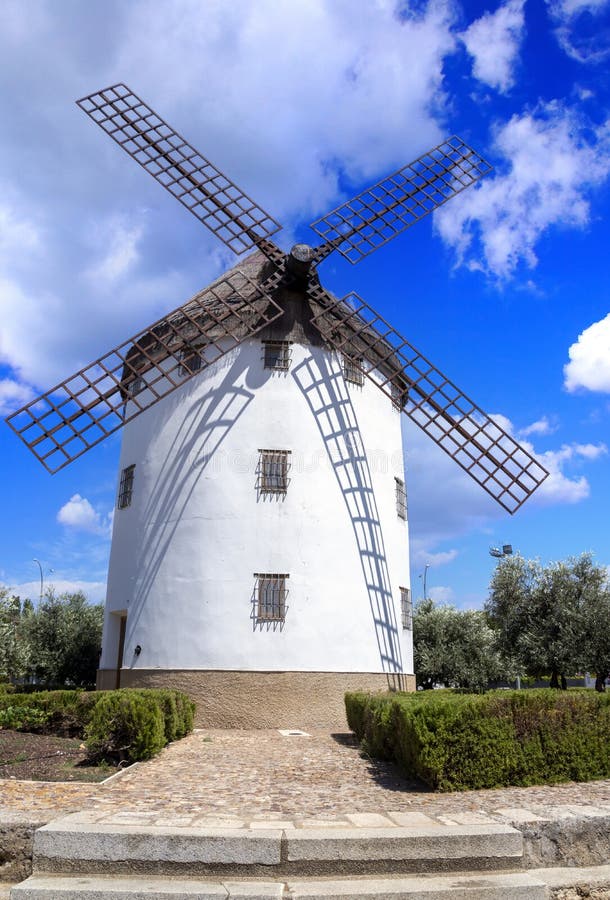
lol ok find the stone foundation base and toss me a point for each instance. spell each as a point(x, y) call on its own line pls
point(261, 699)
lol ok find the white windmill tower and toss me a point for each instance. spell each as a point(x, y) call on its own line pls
point(259, 556)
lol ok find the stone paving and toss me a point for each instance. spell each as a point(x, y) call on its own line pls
point(43, 800)
point(251, 778)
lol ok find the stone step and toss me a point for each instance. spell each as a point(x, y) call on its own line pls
point(69, 845)
point(491, 886)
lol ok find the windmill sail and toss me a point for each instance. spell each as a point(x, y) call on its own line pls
point(92, 404)
point(191, 178)
point(84, 409)
point(383, 211)
point(491, 456)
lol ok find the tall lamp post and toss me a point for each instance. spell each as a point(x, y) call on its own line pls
point(497, 553)
point(39, 564)
point(424, 578)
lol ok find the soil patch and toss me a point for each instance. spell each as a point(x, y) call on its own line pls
point(45, 757)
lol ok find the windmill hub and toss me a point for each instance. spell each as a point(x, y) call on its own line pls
point(302, 253)
point(299, 260)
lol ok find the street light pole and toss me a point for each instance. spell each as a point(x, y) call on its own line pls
point(497, 553)
point(39, 564)
point(424, 578)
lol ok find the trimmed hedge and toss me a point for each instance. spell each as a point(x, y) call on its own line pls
point(459, 742)
point(127, 724)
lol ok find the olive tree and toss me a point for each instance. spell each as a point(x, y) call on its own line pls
point(548, 618)
point(455, 648)
point(65, 635)
point(14, 647)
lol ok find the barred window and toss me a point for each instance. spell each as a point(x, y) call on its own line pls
point(136, 386)
point(352, 370)
point(190, 362)
point(406, 608)
point(401, 498)
point(276, 354)
point(126, 487)
point(273, 466)
point(270, 597)
point(399, 397)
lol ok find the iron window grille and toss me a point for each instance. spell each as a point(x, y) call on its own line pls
point(270, 593)
point(126, 487)
point(276, 355)
point(353, 371)
point(273, 466)
point(190, 362)
point(136, 386)
point(399, 397)
point(401, 498)
point(406, 608)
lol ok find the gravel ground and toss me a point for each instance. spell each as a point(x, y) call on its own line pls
point(322, 775)
point(262, 773)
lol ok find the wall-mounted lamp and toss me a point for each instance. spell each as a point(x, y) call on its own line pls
point(137, 649)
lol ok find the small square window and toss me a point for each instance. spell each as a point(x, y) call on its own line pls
point(352, 370)
point(276, 354)
point(137, 385)
point(273, 468)
point(401, 498)
point(270, 597)
point(399, 397)
point(190, 362)
point(126, 487)
point(406, 608)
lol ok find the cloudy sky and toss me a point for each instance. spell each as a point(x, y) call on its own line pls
point(303, 103)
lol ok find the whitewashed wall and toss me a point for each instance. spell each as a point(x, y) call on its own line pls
point(185, 552)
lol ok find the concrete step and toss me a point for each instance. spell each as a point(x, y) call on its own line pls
point(491, 886)
point(68, 845)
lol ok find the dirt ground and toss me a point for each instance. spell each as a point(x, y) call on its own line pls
point(43, 757)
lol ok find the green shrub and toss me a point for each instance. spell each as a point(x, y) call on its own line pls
point(463, 742)
point(125, 725)
point(132, 732)
point(22, 718)
point(66, 712)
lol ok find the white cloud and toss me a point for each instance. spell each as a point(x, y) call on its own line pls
point(95, 591)
point(294, 101)
point(79, 514)
point(494, 41)
point(571, 7)
point(560, 487)
point(589, 365)
point(120, 240)
point(294, 68)
point(13, 395)
point(584, 44)
point(442, 558)
point(541, 427)
point(551, 161)
point(17, 234)
point(441, 593)
point(445, 503)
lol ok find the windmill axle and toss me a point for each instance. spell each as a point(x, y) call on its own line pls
point(299, 260)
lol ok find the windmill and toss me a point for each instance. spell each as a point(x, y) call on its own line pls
point(259, 554)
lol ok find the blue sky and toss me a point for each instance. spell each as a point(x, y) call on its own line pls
point(304, 103)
